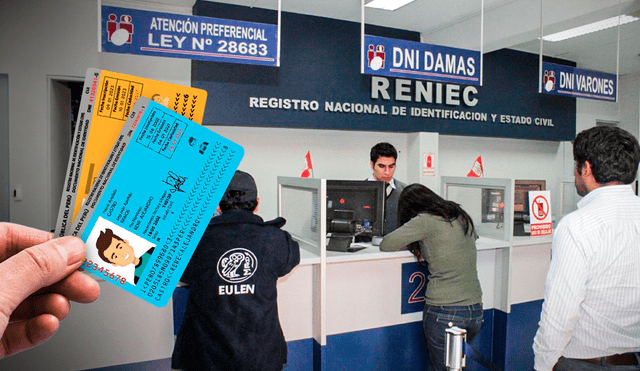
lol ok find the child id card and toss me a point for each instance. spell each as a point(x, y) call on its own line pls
point(152, 200)
point(106, 102)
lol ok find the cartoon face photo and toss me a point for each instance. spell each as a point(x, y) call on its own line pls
point(122, 252)
point(115, 250)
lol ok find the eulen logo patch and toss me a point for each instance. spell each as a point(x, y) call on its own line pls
point(237, 265)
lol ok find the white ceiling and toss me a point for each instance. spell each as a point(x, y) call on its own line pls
point(511, 24)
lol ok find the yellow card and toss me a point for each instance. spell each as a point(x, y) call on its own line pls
point(106, 103)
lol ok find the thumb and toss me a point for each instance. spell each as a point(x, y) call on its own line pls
point(36, 267)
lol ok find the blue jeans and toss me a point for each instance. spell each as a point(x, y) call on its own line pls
point(435, 319)
point(568, 364)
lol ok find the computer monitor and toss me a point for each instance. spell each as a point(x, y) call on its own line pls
point(355, 208)
point(492, 205)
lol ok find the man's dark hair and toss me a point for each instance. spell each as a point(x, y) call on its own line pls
point(104, 241)
point(237, 204)
point(383, 149)
point(613, 153)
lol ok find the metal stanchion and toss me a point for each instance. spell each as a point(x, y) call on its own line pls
point(455, 337)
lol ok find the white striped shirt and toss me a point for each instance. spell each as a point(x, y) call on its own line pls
point(592, 297)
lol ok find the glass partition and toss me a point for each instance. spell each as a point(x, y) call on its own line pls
point(488, 201)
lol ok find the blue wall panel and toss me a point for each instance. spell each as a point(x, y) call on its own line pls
point(506, 339)
point(498, 337)
point(301, 355)
point(483, 343)
point(400, 347)
point(522, 327)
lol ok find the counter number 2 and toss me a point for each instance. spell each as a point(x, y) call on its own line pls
point(415, 298)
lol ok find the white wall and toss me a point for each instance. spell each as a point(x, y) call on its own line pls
point(273, 152)
point(629, 107)
point(625, 112)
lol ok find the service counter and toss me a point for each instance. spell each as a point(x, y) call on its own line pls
point(368, 301)
point(340, 308)
point(363, 290)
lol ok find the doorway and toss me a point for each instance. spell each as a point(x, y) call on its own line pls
point(64, 102)
point(4, 148)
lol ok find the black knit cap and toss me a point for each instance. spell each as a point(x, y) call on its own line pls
point(242, 182)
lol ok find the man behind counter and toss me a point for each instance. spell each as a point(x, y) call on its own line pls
point(383, 163)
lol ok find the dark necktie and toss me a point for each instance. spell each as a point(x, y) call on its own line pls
point(388, 189)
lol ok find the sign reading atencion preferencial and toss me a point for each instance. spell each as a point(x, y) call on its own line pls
point(133, 31)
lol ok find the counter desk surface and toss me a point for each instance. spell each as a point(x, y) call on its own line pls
point(501, 268)
point(372, 252)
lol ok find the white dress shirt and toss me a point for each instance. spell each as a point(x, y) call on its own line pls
point(592, 297)
point(390, 187)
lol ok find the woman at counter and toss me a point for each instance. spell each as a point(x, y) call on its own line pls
point(442, 237)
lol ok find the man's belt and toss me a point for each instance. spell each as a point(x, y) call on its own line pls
point(626, 359)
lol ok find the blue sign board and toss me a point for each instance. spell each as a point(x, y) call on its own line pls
point(410, 59)
point(570, 81)
point(132, 31)
point(320, 85)
point(414, 286)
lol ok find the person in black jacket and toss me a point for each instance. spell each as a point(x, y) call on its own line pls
point(231, 320)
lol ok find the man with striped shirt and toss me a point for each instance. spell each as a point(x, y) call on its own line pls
point(590, 317)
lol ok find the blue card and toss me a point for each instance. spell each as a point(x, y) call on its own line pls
point(153, 199)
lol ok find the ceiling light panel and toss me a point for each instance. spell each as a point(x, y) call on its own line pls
point(590, 28)
point(388, 4)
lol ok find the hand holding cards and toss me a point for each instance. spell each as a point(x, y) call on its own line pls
point(152, 200)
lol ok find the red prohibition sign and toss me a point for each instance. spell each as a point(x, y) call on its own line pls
point(542, 207)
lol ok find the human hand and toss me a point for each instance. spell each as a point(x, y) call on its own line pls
point(39, 279)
